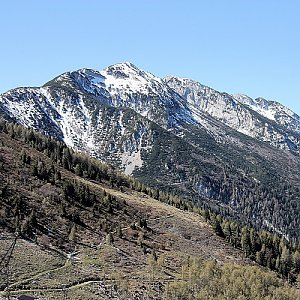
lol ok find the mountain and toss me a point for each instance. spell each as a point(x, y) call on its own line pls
point(236, 155)
point(74, 228)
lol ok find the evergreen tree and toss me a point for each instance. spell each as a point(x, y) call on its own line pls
point(109, 239)
point(245, 241)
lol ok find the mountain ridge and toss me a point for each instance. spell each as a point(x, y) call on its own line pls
point(175, 134)
point(116, 88)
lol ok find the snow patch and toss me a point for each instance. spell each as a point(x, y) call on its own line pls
point(272, 227)
point(265, 112)
point(120, 122)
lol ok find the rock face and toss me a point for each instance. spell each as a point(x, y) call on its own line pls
point(264, 120)
point(226, 151)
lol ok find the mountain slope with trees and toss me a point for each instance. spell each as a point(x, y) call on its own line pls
point(236, 156)
point(75, 226)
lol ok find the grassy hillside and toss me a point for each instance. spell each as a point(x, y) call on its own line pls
point(72, 228)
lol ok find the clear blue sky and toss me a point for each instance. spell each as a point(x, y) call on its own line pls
point(237, 46)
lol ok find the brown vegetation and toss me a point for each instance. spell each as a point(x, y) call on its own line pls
point(90, 236)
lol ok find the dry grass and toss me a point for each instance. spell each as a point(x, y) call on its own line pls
point(175, 235)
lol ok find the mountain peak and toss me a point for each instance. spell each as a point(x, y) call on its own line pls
point(127, 67)
point(129, 71)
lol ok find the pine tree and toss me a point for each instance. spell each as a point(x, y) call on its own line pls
point(109, 239)
point(245, 241)
point(78, 170)
point(286, 261)
point(227, 230)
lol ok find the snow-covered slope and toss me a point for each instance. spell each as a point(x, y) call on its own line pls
point(89, 110)
point(74, 107)
point(124, 85)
